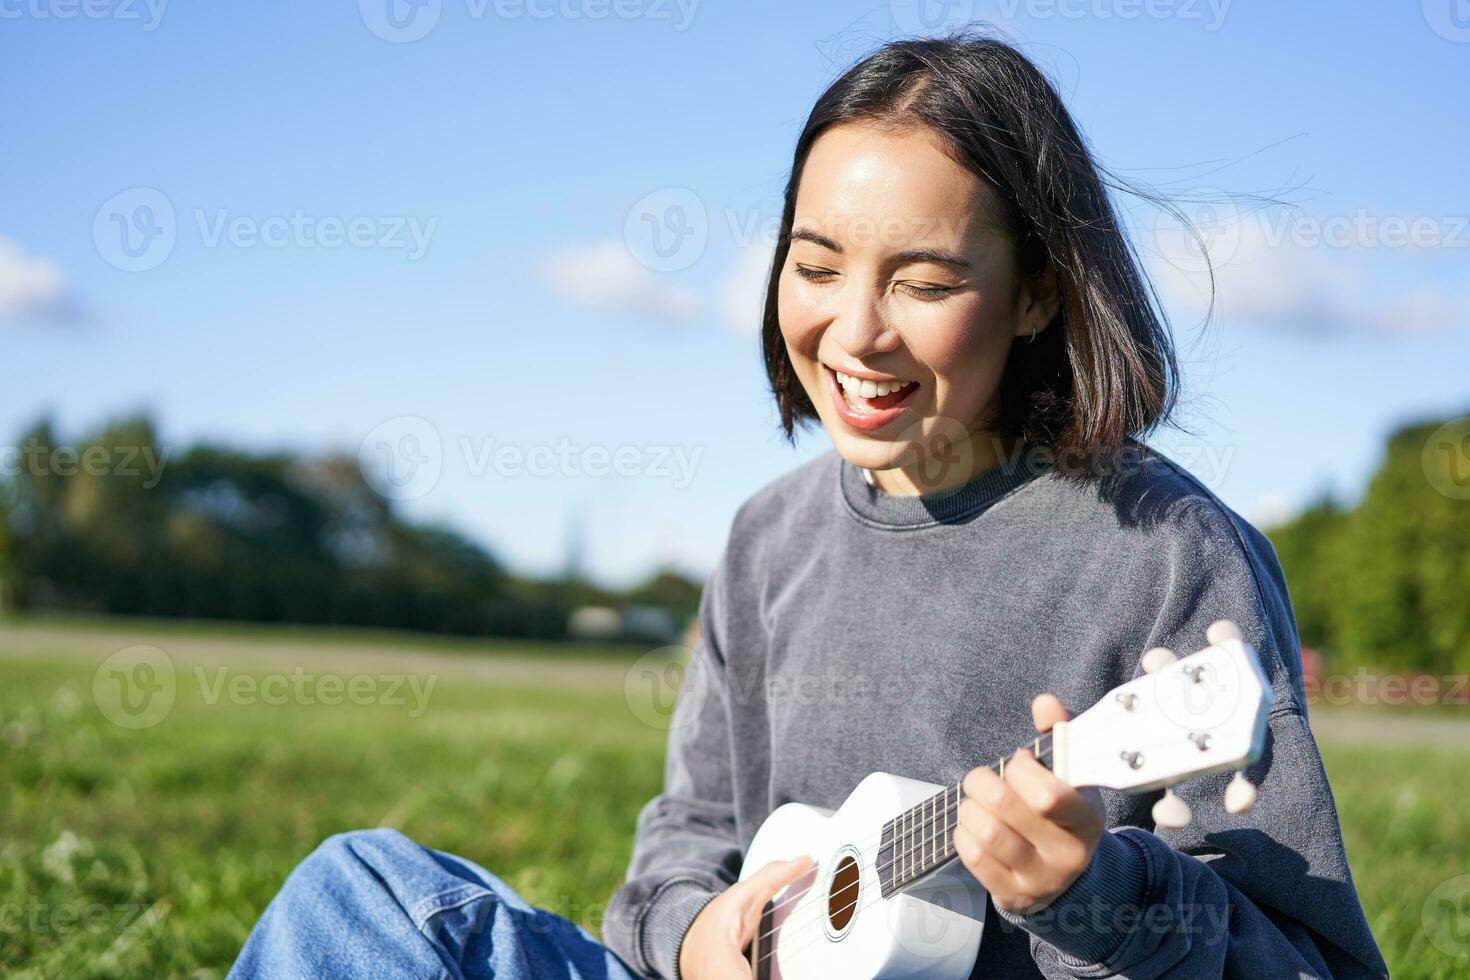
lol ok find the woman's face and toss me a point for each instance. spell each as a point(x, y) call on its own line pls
point(898, 277)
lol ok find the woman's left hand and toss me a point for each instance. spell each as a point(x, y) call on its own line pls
point(1029, 836)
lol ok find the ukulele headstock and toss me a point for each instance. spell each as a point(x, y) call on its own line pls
point(1185, 717)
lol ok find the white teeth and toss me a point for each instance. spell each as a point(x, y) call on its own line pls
point(861, 388)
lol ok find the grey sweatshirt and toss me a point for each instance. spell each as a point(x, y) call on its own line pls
point(846, 630)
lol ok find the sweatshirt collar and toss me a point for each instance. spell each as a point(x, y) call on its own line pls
point(868, 503)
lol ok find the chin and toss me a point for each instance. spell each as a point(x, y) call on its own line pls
point(868, 452)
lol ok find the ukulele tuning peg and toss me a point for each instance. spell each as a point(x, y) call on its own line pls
point(1157, 659)
point(1240, 795)
point(1171, 812)
point(1222, 630)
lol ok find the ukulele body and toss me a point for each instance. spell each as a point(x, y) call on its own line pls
point(842, 925)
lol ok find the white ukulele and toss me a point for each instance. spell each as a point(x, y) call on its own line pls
point(889, 898)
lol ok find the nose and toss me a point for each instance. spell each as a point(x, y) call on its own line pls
point(859, 324)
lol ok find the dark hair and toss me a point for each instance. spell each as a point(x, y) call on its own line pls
point(1104, 370)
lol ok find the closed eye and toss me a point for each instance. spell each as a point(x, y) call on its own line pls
point(814, 275)
point(927, 292)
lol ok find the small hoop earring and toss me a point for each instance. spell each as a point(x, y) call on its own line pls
point(1033, 334)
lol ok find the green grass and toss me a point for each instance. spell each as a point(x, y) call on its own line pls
point(148, 853)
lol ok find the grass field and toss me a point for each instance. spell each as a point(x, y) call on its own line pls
point(150, 851)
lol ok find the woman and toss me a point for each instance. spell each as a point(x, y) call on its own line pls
point(953, 300)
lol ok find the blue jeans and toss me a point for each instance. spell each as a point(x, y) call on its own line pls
point(373, 903)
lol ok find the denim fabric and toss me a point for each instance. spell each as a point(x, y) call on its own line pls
point(375, 904)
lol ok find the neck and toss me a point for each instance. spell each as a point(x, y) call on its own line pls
point(921, 839)
point(945, 465)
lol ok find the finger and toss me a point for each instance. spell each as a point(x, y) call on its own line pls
point(764, 885)
point(777, 875)
point(1046, 711)
point(1056, 807)
point(994, 837)
point(1000, 797)
point(996, 877)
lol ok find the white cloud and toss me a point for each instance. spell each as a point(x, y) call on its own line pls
point(1271, 508)
point(608, 279)
point(30, 285)
point(742, 297)
point(1265, 277)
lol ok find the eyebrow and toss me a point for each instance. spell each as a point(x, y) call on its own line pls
point(937, 256)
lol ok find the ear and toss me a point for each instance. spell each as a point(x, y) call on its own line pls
point(1038, 301)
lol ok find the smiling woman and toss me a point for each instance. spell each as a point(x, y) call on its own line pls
point(916, 247)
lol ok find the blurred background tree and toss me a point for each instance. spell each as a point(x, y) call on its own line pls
point(116, 524)
point(1384, 584)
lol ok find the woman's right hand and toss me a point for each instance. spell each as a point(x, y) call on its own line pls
point(713, 948)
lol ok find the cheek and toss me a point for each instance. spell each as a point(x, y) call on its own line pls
point(966, 348)
point(799, 322)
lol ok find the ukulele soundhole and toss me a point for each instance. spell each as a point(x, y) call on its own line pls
point(842, 895)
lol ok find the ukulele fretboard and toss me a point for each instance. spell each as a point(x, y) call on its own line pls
point(921, 839)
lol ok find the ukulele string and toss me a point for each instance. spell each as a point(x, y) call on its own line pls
point(808, 926)
point(878, 869)
point(940, 834)
point(867, 847)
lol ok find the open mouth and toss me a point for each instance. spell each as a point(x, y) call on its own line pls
point(868, 395)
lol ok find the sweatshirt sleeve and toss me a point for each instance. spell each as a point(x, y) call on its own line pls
point(685, 850)
point(1263, 894)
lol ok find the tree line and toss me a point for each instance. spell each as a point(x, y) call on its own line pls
point(116, 523)
point(1383, 584)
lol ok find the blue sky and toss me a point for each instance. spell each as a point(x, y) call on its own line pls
point(435, 250)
